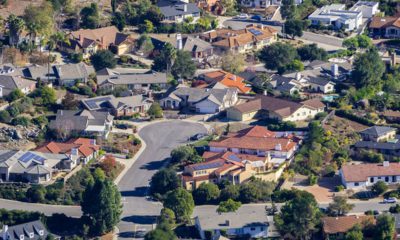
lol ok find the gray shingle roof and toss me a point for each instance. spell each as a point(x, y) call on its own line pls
point(10, 83)
point(31, 230)
point(176, 8)
point(120, 78)
point(77, 120)
point(192, 44)
point(377, 131)
point(198, 94)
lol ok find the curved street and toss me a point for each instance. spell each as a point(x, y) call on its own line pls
point(161, 138)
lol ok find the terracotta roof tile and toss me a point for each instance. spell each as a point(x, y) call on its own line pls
point(229, 80)
point(332, 225)
point(314, 103)
point(361, 172)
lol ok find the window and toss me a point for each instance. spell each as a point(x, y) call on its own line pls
point(372, 179)
point(252, 229)
point(394, 179)
point(386, 179)
point(356, 184)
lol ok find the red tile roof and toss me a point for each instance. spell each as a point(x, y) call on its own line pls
point(361, 172)
point(228, 80)
point(84, 146)
point(332, 225)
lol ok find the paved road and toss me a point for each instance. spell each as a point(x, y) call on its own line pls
point(329, 43)
point(138, 213)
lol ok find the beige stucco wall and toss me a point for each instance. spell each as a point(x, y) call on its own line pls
point(235, 115)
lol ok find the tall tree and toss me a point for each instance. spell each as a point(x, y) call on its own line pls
point(295, 27)
point(299, 217)
point(288, 9)
point(277, 55)
point(144, 44)
point(181, 202)
point(164, 181)
point(355, 233)
point(233, 63)
point(311, 52)
point(103, 59)
point(166, 58)
point(39, 20)
point(339, 206)
point(368, 69)
point(90, 17)
point(15, 26)
point(102, 203)
point(385, 227)
point(206, 193)
point(183, 67)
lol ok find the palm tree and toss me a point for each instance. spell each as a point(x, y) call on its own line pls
point(55, 40)
point(169, 53)
point(15, 26)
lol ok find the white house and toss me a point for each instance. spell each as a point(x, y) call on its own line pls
point(264, 3)
point(368, 9)
point(365, 175)
point(338, 16)
point(178, 11)
point(248, 220)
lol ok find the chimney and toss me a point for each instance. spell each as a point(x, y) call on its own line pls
point(298, 76)
point(179, 43)
point(335, 70)
point(278, 147)
point(265, 93)
point(102, 40)
point(185, 7)
point(92, 141)
point(386, 163)
point(234, 78)
point(5, 232)
point(393, 58)
point(79, 37)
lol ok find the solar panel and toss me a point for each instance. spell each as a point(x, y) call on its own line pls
point(233, 157)
point(207, 166)
point(28, 156)
point(255, 32)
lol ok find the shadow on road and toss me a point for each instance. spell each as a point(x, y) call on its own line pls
point(155, 165)
point(141, 219)
point(137, 192)
point(126, 235)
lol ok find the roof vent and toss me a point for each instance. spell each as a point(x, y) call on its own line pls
point(386, 163)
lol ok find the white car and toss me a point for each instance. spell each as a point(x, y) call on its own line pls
point(390, 200)
point(243, 16)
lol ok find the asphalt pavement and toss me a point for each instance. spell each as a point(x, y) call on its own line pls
point(139, 213)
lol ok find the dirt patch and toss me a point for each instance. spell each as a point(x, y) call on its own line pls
point(17, 7)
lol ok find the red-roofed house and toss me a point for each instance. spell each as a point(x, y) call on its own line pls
point(236, 168)
point(337, 227)
point(365, 175)
point(85, 148)
point(226, 79)
point(257, 141)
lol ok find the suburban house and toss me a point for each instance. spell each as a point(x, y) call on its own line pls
point(233, 167)
point(108, 79)
point(64, 75)
point(256, 141)
point(88, 41)
point(201, 100)
point(365, 175)
point(337, 227)
point(199, 48)
point(86, 148)
point(34, 230)
point(387, 27)
point(264, 3)
point(251, 38)
point(391, 116)
point(82, 122)
point(379, 139)
point(177, 11)
point(368, 9)
point(284, 85)
point(227, 79)
point(378, 134)
point(275, 108)
point(311, 80)
point(33, 166)
point(337, 16)
point(118, 106)
point(249, 221)
point(9, 83)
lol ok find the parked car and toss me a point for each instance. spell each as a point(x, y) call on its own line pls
point(256, 18)
point(243, 16)
point(122, 126)
point(197, 137)
point(390, 200)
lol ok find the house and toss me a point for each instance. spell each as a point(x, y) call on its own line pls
point(33, 166)
point(391, 116)
point(368, 9)
point(9, 83)
point(251, 38)
point(34, 230)
point(264, 3)
point(199, 48)
point(203, 100)
point(284, 85)
point(63, 75)
point(118, 106)
point(337, 227)
point(108, 79)
point(366, 175)
point(378, 134)
point(177, 11)
point(256, 141)
point(217, 166)
point(82, 122)
point(86, 148)
point(275, 108)
point(387, 27)
point(227, 79)
point(89, 41)
point(337, 16)
point(249, 221)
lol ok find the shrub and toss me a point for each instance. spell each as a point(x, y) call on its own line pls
point(23, 121)
point(5, 116)
point(379, 187)
point(339, 188)
point(137, 141)
point(312, 179)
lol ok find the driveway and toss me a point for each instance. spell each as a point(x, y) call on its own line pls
point(140, 214)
